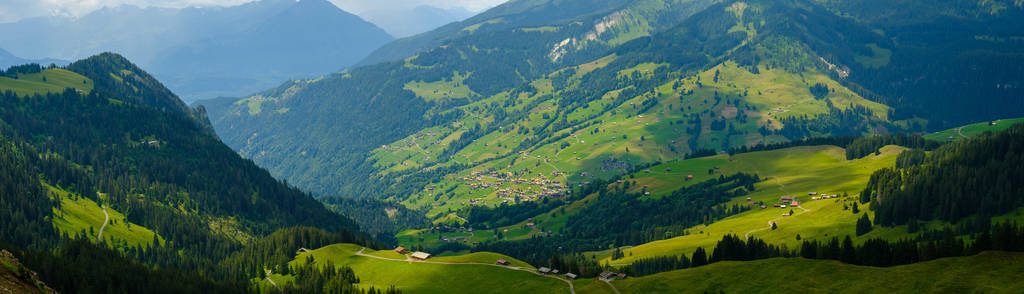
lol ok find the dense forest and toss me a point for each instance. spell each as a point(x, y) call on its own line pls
point(377, 217)
point(979, 176)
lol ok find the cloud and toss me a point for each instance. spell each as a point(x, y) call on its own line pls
point(14, 10)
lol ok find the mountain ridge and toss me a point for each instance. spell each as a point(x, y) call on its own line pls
point(211, 51)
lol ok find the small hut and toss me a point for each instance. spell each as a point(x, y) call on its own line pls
point(420, 255)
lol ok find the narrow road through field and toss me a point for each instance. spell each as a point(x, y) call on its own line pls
point(99, 237)
point(613, 286)
point(747, 235)
point(269, 272)
point(571, 288)
point(960, 131)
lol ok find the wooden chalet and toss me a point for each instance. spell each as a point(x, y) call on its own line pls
point(571, 276)
point(401, 250)
point(503, 262)
point(607, 275)
point(544, 270)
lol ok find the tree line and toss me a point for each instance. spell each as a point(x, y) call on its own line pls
point(976, 176)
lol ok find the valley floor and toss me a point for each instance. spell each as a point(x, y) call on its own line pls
point(988, 272)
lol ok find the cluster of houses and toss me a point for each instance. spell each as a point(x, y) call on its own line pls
point(515, 186)
point(791, 201)
point(787, 200)
point(418, 255)
point(608, 276)
point(549, 271)
point(814, 196)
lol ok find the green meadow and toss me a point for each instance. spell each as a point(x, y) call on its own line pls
point(615, 136)
point(972, 130)
point(79, 214)
point(794, 172)
point(472, 273)
point(56, 81)
point(988, 272)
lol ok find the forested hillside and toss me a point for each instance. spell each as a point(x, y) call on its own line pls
point(978, 176)
point(130, 153)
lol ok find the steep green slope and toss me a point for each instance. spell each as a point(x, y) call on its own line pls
point(522, 101)
point(42, 81)
point(936, 53)
point(989, 272)
point(122, 166)
point(482, 117)
point(609, 22)
point(345, 116)
point(119, 79)
point(16, 278)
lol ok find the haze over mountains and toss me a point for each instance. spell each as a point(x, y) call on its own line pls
point(7, 60)
point(541, 146)
point(211, 51)
point(403, 22)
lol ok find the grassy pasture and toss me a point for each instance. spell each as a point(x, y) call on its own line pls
point(972, 130)
point(419, 277)
point(78, 214)
point(988, 272)
point(786, 172)
point(56, 81)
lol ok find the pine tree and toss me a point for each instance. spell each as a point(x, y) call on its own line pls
point(863, 225)
point(699, 258)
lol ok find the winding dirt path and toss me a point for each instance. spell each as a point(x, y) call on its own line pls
point(407, 259)
point(106, 220)
point(613, 286)
point(269, 272)
point(960, 131)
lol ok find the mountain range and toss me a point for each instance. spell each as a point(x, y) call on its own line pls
point(529, 76)
point(211, 51)
point(405, 22)
point(544, 146)
point(7, 60)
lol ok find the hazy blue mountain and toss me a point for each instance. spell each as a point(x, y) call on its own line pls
point(7, 60)
point(403, 22)
point(210, 51)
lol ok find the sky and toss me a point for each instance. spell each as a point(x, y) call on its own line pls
point(14, 10)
